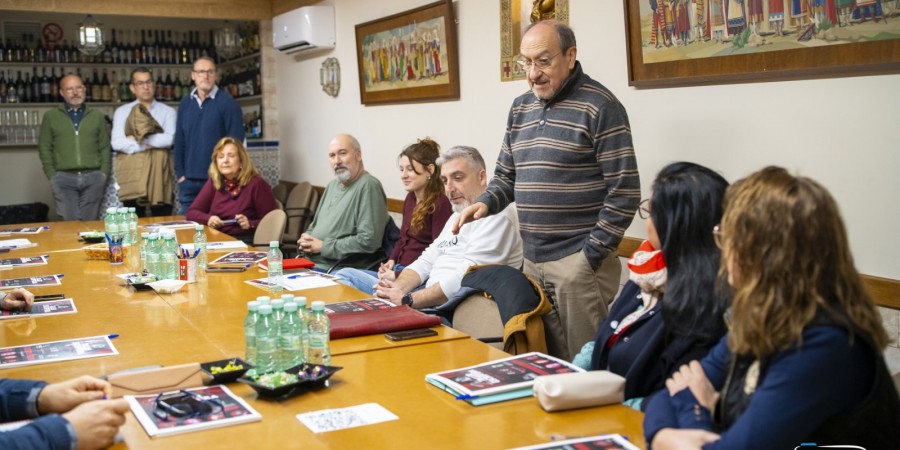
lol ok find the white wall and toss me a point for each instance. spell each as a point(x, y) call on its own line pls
point(838, 131)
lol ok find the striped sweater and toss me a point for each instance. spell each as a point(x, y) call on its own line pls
point(569, 165)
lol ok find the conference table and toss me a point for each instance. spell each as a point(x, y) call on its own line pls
point(204, 322)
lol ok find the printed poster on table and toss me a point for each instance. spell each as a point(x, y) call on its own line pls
point(81, 348)
point(239, 259)
point(38, 281)
point(601, 442)
point(47, 308)
point(16, 243)
point(502, 375)
point(25, 261)
point(172, 224)
point(222, 409)
point(24, 230)
point(370, 304)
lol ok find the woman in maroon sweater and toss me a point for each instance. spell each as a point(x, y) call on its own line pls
point(425, 209)
point(235, 198)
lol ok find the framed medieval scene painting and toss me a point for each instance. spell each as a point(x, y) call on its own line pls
point(693, 42)
point(408, 57)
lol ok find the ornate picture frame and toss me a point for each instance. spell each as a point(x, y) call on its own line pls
point(744, 41)
point(411, 56)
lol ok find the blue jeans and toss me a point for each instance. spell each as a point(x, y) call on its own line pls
point(78, 195)
point(187, 191)
point(364, 280)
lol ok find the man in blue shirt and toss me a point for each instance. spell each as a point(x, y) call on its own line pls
point(204, 117)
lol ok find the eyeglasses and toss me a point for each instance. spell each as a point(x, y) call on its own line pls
point(184, 404)
point(207, 73)
point(71, 89)
point(540, 63)
point(644, 209)
point(717, 237)
point(143, 83)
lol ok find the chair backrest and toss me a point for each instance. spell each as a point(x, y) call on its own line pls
point(270, 228)
point(298, 211)
point(479, 317)
point(281, 191)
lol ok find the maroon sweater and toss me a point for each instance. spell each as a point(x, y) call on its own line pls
point(254, 201)
point(410, 246)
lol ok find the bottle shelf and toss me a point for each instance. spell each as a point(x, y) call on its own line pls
point(100, 65)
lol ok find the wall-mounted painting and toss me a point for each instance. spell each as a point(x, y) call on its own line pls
point(409, 57)
point(515, 17)
point(692, 42)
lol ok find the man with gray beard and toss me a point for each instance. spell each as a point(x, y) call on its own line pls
point(353, 211)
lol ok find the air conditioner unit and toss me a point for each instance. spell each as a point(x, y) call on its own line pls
point(304, 29)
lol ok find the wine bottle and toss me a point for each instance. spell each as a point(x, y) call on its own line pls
point(45, 86)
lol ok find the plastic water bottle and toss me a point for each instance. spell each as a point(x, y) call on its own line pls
point(122, 223)
point(109, 222)
point(264, 300)
point(287, 298)
point(290, 339)
point(167, 257)
point(250, 331)
point(132, 226)
point(266, 340)
point(303, 316)
point(319, 329)
point(278, 310)
point(200, 243)
point(145, 237)
point(273, 259)
point(153, 255)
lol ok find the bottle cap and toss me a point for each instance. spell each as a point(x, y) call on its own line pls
point(300, 301)
point(265, 309)
point(277, 304)
point(199, 227)
point(263, 300)
point(273, 244)
point(290, 307)
point(318, 305)
point(253, 305)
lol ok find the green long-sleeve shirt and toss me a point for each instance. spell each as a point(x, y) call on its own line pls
point(61, 147)
point(349, 219)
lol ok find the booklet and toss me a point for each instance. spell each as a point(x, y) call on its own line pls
point(172, 224)
point(219, 246)
point(216, 407)
point(25, 261)
point(239, 259)
point(24, 230)
point(369, 304)
point(24, 355)
point(46, 308)
point(601, 442)
point(39, 281)
point(503, 379)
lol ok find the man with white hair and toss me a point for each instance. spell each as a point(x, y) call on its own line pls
point(441, 267)
point(353, 211)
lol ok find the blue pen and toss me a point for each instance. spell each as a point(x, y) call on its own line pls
point(196, 252)
point(113, 336)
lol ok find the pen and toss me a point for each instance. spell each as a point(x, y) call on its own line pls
point(44, 298)
point(113, 336)
point(230, 221)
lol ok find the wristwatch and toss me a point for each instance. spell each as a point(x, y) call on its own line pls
point(407, 300)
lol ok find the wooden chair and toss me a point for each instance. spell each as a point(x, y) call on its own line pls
point(479, 317)
point(299, 209)
point(270, 228)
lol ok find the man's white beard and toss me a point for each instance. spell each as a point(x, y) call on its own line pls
point(459, 207)
point(342, 175)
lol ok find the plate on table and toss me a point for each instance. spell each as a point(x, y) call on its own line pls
point(311, 377)
point(225, 376)
point(92, 237)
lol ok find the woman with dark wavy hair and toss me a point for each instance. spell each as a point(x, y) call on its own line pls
point(669, 312)
point(425, 210)
point(802, 360)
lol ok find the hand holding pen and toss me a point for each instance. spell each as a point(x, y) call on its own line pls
point(17, 299)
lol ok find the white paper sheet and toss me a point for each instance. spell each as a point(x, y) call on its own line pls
point(339, 419)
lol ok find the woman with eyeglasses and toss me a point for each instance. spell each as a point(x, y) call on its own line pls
point(802, 360)
point(669, 312)
point(235, 198)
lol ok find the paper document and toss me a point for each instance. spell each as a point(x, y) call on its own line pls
point(339, 419)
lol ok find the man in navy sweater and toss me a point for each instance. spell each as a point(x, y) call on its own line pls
point(204, 117)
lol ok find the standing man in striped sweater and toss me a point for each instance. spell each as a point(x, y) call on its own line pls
point(568, 162)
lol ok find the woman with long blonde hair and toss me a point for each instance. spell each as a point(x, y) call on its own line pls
point(802, 361)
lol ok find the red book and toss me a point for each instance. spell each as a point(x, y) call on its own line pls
point(379, 321)
point(290, 263)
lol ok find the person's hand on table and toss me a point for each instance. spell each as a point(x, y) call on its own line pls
point(97, 422)
point(63, 396)
point(17, 299)
point(387, 290)
point(214, 222)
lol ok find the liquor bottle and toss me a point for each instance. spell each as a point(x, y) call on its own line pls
point(113, 48)
point(45, 87)
point(54, 85)
point(106, 55)
point(115, 95)
point(169, 91)
point(124, 50)
point(35, 86)
point(96, 89)
point(40, 52)
point(2, 50)
point(25, 93)
point(145, 49)
point(177, 88)
point(12, 90)
point(2, 87)
point(31, 49)
point(105, 93)
point(136, 50)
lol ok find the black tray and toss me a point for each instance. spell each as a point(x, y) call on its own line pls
point(225, 377)
point(93, 239)
point(145, 286)
point(316, 381)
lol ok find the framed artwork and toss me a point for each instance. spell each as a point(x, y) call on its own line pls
point(408, 57)
point(515, 17)
point(694, 42)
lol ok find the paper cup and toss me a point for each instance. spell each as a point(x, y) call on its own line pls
point(116, 252)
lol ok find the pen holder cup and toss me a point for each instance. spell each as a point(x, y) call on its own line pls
point(187, 269)
point(116, 250)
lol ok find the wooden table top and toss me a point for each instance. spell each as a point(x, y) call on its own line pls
point(203, 322)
